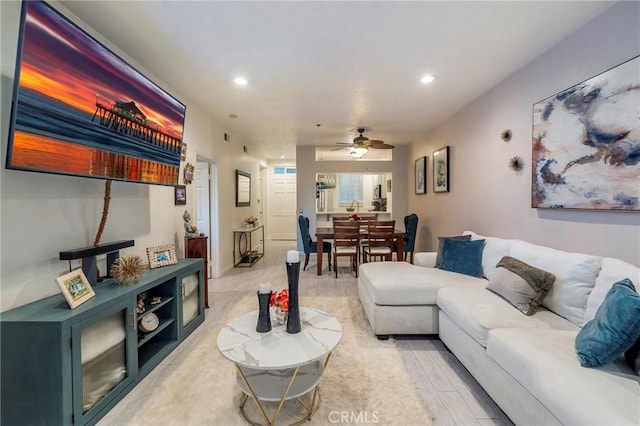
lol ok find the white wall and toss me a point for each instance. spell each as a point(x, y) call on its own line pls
point(491, 199)
point(42, 214)
point(306, 183)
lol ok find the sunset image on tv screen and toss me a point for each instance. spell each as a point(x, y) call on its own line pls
point(81, 110)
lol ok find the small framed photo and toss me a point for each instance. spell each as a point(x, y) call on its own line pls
point(163, 255)
point(188, 173)
point(441, 170)
point(75, 287)
point(180, 195)
point(421, 175)
point(183, 151)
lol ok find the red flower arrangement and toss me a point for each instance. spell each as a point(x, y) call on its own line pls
point(280, 300)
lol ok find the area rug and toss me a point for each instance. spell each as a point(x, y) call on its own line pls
point(366, 380)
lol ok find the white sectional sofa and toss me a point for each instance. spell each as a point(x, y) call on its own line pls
point(527, 364)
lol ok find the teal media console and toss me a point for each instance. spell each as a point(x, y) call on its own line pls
point(63, 366)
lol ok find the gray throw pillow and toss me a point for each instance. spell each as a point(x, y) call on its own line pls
point(441, 245)
point(522, 285)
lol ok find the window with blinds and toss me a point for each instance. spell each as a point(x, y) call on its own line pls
point(350, 188)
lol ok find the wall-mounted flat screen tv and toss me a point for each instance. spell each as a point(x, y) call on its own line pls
point(79, 109)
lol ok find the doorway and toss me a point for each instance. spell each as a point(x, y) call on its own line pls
point(282, 202)
point(206, 183)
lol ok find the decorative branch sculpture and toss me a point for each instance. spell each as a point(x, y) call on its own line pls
point(105, 212)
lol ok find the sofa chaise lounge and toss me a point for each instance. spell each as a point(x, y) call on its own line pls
point(527, 364)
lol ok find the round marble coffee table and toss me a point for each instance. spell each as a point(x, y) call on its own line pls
point(278, 366)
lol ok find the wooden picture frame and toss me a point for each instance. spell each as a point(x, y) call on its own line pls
point(243, 189)
point(162, 255)
point(441, 170)
point(75, 287)
point(180, 195)
point(421, 175)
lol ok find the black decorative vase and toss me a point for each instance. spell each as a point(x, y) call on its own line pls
point(293, 319)
point(264, 321)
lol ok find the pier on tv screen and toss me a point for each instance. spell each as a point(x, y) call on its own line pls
point(79, 109)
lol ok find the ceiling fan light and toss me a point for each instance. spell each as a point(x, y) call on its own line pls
point(358, 152)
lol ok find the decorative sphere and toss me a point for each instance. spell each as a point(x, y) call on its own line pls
point(128, 269)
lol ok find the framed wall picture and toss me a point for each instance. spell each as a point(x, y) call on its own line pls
point(163, 255)
point(585, 144)
point(75, 287)
point(421, 175)
point(243, 189)
point(183, 151)
point(188, 173)
point(180, 195)
point(441, 170)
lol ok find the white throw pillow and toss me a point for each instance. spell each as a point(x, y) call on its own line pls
point(575, 277)
point(613, 270)
point(494, 250)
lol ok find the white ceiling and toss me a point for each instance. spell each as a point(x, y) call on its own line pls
point(343, 65)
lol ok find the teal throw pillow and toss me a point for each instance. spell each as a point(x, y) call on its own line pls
point(614, 329)
point(464, 257)
point(441, 245)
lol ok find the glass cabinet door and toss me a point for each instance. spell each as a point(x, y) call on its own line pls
point(104, 346)
point(190, 298)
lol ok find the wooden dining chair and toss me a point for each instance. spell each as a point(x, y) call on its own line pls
point(364, 225)
point(379, 240)
point(346, 242)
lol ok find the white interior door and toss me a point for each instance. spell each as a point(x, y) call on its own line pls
point(201, 181)
point(261, 193)
point(282, 199)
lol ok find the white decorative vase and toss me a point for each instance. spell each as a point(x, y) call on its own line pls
point(281, 316)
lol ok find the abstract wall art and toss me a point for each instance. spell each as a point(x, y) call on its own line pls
point(441, 170)
point(421, 175)
point(586, 144)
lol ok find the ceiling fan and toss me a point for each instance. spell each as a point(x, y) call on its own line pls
point(361, 145)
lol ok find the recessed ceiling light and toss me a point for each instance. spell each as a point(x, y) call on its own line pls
point(282, 156)
point(240, 81)
point(428, 78)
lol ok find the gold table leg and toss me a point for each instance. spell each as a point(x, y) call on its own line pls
point(311, 409)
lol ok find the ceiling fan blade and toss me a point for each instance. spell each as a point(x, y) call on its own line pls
point(338, 149)
point(381, 146)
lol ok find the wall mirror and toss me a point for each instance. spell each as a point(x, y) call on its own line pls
point(243, 189)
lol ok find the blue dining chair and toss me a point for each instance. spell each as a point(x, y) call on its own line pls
point(409, 239)
point(309, 245)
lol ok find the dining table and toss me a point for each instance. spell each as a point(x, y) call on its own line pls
point(326, 233)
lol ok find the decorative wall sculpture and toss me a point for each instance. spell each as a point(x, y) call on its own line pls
point(586, 144)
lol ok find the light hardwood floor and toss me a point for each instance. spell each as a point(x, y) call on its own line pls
point(450, 393)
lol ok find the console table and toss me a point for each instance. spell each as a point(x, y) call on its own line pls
point(243, 246)
point(277, 366)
